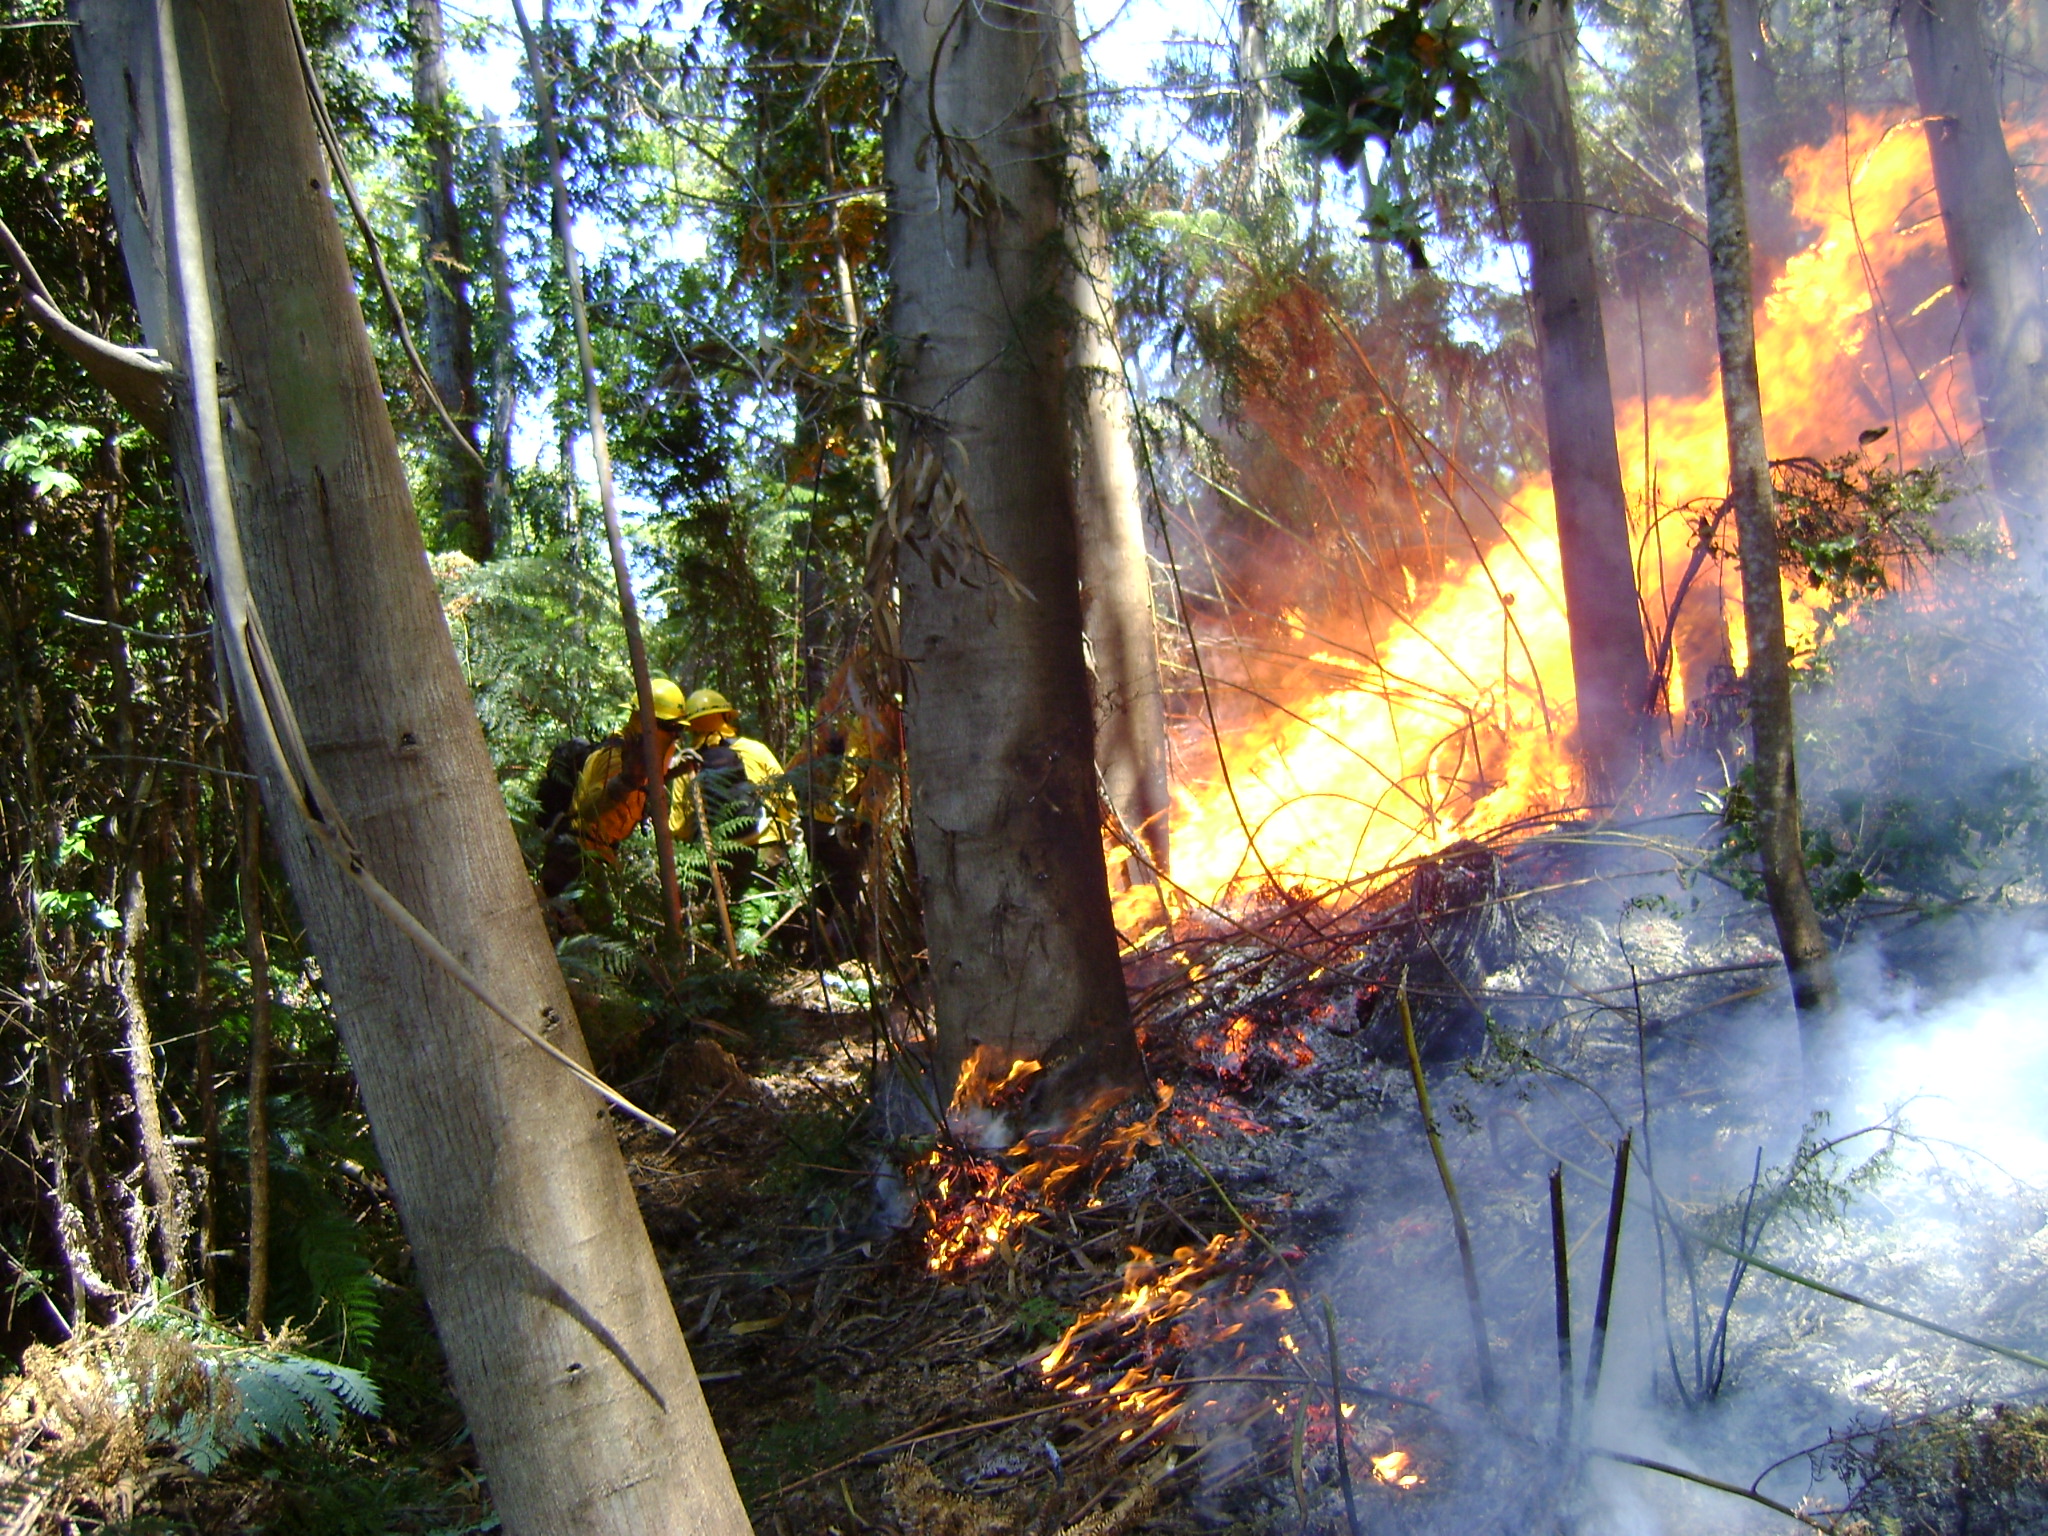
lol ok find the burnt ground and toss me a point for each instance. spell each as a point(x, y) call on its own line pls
point(1562, 992)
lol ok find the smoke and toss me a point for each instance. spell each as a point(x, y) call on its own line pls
point(1969, 1072)
point(1921, 1190)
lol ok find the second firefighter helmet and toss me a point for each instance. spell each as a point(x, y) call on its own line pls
point(704, 703)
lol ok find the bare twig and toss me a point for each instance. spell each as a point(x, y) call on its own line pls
point(1560, 1266)
point(1715, 1483)
point(1603, 1307)
point(1473, 1306)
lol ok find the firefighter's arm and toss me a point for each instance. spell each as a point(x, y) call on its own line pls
point(765, 773)
point(682, 814)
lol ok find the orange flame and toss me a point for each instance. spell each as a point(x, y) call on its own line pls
point(1392, 1469)
point(1389, 743)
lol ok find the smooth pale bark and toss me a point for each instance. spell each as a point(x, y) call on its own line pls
point(1769, 678)
point(997, 704)
point(559, 1335)
point(1255, 130)
point(504, 350)
point(1610, 658)
point(1109, 502)
point(1994, 252)
point(444, 280)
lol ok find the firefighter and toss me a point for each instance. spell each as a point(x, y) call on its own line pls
point(747, 799)
point(611, 791)
point(838, 831)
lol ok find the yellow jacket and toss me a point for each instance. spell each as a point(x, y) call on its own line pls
point(604, 817)
point(764, 772)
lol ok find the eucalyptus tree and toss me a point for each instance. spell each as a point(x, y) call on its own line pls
point(1537, 43)
point(559, 1334)
point(997, 703)
point(1773, 768)
point(1109, 506)
point(1994, 251)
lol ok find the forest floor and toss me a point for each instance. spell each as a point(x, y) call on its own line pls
point(1244, 1310)
point(1141, 1336)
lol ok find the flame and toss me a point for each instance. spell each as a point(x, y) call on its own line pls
point(1392, 1469)
point(978, 1203)
point(1387, 742)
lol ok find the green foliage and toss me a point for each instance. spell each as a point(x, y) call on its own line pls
point(1039, 1320)
point(277, 1394)
point(1963, 1471)
point(1856, 528)
point(1837, 878)
point(793, 1446)
point(1923, 758)
point(40, 454)
point(1414, 73)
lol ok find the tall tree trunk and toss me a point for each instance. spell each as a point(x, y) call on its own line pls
point(1109, 503)
point(444, 280)
point(1749, 487)
point(997, 705)
point(559, 1334)
point(505, 338)
point(1610, 658)
point(1254, 128)
point(1995, 253)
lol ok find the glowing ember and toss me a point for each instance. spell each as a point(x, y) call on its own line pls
point(1386, 743)
point(1392, 1469)
point(977, 1203)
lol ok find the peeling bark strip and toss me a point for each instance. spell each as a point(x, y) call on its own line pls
point(1610, 658)
point(1805, 946)
point(488, 1143)
point(1995, 253)
point(997, 704)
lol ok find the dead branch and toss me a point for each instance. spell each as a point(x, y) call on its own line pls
point(139, 380)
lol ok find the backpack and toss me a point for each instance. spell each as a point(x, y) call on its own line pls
point(555, 794)
point(732, 804)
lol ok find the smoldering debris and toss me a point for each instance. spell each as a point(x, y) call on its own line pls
point(1621, 1001)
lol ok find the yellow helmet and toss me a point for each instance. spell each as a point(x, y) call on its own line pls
point(706, 701)
point(668, 700)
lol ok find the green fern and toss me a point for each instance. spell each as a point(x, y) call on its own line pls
point(332, 1256)
point(207, 1393)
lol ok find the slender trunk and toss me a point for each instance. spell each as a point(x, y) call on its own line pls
point(159, 1162)
point(1253, 129)
point(1610, 658)
point(1994, 251)
point(872, 426)
point(1749, 487)
point(601, 463)
point(165, 1213)
point(505, 340)
point(195, 915)
point(444, 281)
point(559, 1334)
point(1109, 502)
point(997, 706)
point(256, 946)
